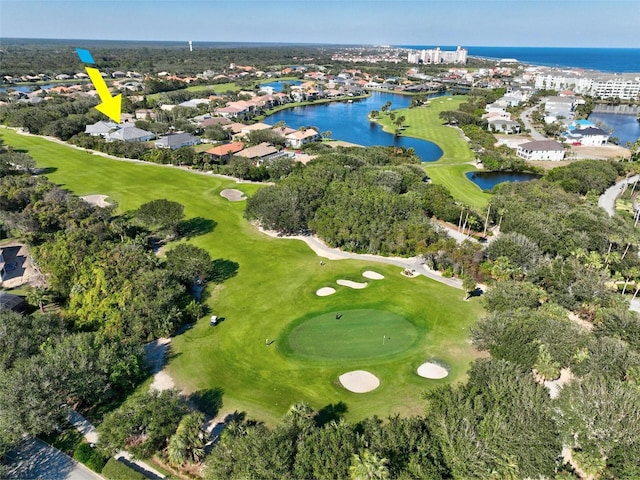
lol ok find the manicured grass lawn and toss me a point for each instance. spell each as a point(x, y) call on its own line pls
point(449, 170)
point(351, 335)
point(273, 288)
point(218, 87)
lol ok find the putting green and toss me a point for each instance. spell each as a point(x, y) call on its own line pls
point(357, 334)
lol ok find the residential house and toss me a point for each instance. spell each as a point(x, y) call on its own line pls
point(590, 136)
point(100, 129)
point(283, 131)
point(145, 114)
point(503, 125)
point(194, 103)
point(541, 150)
point(224, 152)
point(9, 301)
point(176, 140)
point(130, 133)
point(118, 74)
point(254, 128)
point(301, 137)
point(260, 153)
point(222, 121)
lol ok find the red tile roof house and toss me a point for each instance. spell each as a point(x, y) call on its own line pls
point(224, 152)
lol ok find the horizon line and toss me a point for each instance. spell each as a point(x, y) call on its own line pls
point(265, 42)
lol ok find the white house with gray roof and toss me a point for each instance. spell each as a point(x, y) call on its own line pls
point(130, 133)
point(100, 129)
point(176, 140)
point(541, 150)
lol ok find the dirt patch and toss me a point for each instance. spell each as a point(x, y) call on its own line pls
point(432, 371)
point(359, 381)
point(350, 284)
point(325, 291)
point(371, 275)
point(603, 152)
point(233, 195)
point(96, 200)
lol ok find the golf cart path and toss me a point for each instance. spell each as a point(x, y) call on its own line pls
point(607, 200)
point(323, 250)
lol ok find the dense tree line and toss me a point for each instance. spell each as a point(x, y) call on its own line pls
point(362, 200)
point(112, 291)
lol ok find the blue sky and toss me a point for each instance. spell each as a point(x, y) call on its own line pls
point(571, 23)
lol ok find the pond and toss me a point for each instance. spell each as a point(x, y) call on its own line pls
point(348, 121)
point(488, 180)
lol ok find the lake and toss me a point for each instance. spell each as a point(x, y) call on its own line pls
point(625, 127)
point(488, 180)
point(349, 121)
point(279, 85)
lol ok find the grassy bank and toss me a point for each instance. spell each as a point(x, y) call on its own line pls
point(272, 287)
point(457, 159)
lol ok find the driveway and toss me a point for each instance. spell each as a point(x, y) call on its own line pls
point(35, 459)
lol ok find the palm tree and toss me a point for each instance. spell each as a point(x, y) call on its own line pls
point(368, 466)
point(187, 444)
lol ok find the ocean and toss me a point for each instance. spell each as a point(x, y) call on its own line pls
point(611, 60)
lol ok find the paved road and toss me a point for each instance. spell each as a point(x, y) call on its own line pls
point(35, 459)
point(608, 199)
point(533, 133)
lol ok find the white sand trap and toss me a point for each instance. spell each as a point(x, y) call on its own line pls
point(350, 284)
point(432, 371)
point(325, 291)
point(233, 195)
point(96, 200)
point(371, 275)
point(359, 381)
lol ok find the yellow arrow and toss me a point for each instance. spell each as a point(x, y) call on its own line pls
point(110, 106)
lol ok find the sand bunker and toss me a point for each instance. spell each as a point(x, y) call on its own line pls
point(233, 195)
point(371, 275)
point(432, 371)
point(350, 284)
point(96, 200)
point(325, 291)
point(359, 381)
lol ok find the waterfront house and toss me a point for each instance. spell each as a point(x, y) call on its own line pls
point(301, 137)
point(541, 150)
point(590, 136)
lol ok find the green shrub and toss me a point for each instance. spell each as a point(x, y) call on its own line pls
point(116, 470)
point(90, 457)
